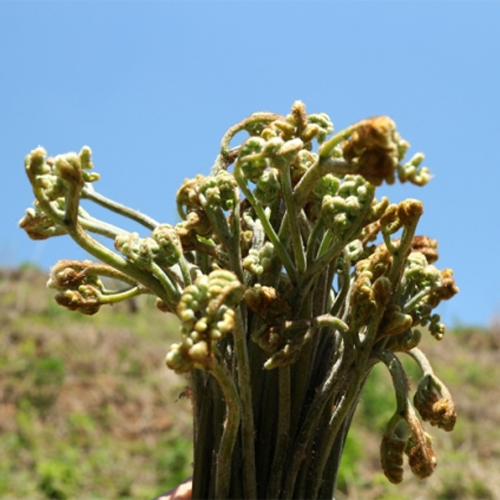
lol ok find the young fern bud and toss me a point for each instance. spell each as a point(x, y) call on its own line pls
point(38, 225)
point(141, 251)
point(436, 408)
point(392, 457)
point(169, 245)
point(421, 457)
point(324, 124)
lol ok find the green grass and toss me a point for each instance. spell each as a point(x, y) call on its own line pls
point(88, 409)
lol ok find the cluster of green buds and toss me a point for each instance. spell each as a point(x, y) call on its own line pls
point(285, 260)
point(207, 312)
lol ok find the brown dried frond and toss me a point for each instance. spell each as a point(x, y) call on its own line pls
point(373, 147)
point(265, 302)
point(427, 246)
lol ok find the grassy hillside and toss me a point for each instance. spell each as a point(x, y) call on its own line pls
point(87, 407)
point(88, 410)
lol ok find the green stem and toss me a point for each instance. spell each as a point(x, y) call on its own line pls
point(203, 399)
point(304, 224)
point(283, 433)
point(92, 224)
point(400, 254)
point(230, 431)
point(329, 480)
point(330, 434)
point(310, 422)
point(302, 367)
point(327, 147)
point(89, 193)
point(97, 226)
point(229, 239)
point(344, 284)
point(247, 418)
point(292, 217)
point(399, 379)
point(410, 305)
point(71, 225)
point(226, 155)
point(358, 373)
point(114, 298)
point(266, 422)
point(169, 285)
point(325, 243)
point(99, 269)
point(421, 360)
point(268, 228)
point(315, 239)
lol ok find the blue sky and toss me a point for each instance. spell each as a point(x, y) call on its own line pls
point(152, 86)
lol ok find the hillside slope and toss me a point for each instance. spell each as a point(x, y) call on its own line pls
point(87, 407)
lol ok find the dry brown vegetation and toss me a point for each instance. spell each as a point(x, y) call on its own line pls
point(88, 409)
